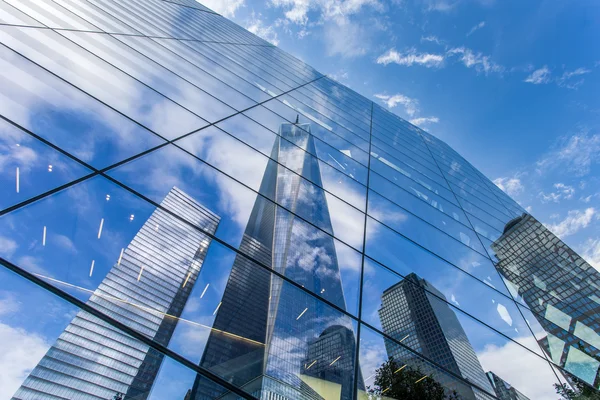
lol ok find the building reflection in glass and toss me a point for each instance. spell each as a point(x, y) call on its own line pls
point(503, 389)
point(562, 290)
point(146, 289)
point(297, 350)
point(414, 316)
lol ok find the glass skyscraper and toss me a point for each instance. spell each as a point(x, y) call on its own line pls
point(148, 286)
point(189, 212)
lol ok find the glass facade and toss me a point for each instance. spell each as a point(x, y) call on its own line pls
point(188, 212)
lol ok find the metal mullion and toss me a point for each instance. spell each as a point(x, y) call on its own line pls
point(362, 273)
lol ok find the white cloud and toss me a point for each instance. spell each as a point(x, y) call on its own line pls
point(297, 10)
point(411, 57)
point(574, 222)
point(590, 251)
point(539, 76)
point(566, 80)
point(431, 38)
point(569, 79)
point(226, 8)
point(504, 314)
point(512, 186)
point(8, 303)
point(478, 61)
point(563, 192)
point(345, 38)
point(476, 27)
point(422, 121)
point(20, 352)
point(410, 105)
point(440, 5)
point(577, 153)
point(7, 246)
point(527, 372)
point(256, 26)
point(64, 242)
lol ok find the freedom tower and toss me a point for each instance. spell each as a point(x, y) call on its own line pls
point(283, 356)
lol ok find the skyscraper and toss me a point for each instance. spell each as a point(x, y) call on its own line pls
point(503, 389)
point(411, 314)
point(560, 288)
point(257, 305)
point(147, 288)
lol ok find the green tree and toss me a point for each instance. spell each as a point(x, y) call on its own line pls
point(400, 381)
point(579, 391)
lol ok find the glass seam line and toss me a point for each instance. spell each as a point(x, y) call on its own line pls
point(102, 173)
point(362, 267)
point(213, 166)
point(117, 164)
point(486, 202)
point(125, 34)
point(152, 11)
point(287, 279)
point(545, 357)
point(237, 251)
point(176, 356)
point(208, 10)
point(105, 169)
point(128, 330)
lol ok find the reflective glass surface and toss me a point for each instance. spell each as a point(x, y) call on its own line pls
point(189, 212)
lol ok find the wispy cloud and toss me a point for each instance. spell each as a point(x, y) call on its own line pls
point(431, 38)
point(477, 60)
point(257, 26)
point(475, 28)
point(577, 153)
point(562, 192)
point(411, 57)
point(512, 186)
point(423, 121)
point(410, 104)
point(539, 76)
point(568, 79)
point(575, 221)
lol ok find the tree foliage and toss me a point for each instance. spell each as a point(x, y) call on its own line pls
point(407, 383)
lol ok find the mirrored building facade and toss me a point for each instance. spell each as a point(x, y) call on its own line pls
point(189, 212)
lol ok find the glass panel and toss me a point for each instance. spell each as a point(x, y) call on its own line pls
point(466, 297)
point(49, 107)
point(52, 14)
point(52, 349)
point(400, 254)
point(392, 371)
point(28, 167)
point(148, 71)
point(101, 80)
point(13, 16)
point(418, 230)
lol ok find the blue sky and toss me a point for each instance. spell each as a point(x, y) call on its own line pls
point(511, 85)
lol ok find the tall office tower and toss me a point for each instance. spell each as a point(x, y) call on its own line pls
point(130, 97)
point(503, 389)
point(561, 289)
point(412, 314)
point(258, 306)
point(146, 289)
